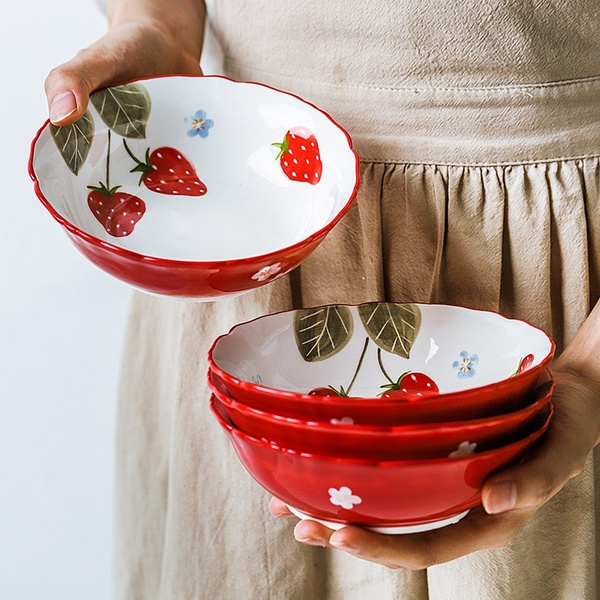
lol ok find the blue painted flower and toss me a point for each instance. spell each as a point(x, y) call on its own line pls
point(199, 124)
point(465, 365)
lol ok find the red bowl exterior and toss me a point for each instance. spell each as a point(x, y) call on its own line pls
point(499, 398)
point(374, 493)
point(380, 442)
point(186, 279)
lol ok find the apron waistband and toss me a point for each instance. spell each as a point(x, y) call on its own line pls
point(456, 126)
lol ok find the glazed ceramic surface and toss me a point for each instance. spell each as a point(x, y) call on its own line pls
point(381, 361)
point(196, 186)
point(381, 494)
point(380, 442)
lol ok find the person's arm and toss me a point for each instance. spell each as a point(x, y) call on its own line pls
point(144, 38)
point(511, 496)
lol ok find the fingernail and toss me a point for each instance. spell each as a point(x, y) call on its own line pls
point(62, 106)
point(342, 545)
point(502, 497)
point(311, 541)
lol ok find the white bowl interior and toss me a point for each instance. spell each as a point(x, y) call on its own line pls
point(250, 207)
point(458, 348)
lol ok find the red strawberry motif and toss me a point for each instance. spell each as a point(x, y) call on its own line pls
point(411, 386)
point(327, 391)
point(118, 212)
point(299, 156)
point(525, 363)
point(167, 171)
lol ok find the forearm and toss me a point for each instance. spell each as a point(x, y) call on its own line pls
point(580, 361)
point(582, 355)
point(182, 19)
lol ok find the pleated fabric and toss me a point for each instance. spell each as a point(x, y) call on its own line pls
point(479, 187)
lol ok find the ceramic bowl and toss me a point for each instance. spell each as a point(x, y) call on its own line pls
point(395, 496)
point(381, 363)
point(196, 187)
point(380, 442)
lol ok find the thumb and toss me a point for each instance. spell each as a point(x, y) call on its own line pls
point(68, 86)
point(527, 486)
point(127, 51)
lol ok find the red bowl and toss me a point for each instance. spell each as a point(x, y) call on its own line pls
point(393, 496)
point(286, 363)
point(380, 442)
point(254, 221)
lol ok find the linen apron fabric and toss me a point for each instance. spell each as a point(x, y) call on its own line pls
point(478, 128)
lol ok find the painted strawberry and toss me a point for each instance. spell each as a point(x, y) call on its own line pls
point(167, 171)
point(299, 156)
point(118, 212)
point(411, 386)
point(328, 391)
point(525, 363)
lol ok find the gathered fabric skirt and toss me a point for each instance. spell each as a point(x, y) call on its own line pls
point(487, 198)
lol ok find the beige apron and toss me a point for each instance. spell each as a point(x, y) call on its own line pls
point(478, 127)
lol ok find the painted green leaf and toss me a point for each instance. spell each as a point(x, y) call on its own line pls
point(323, 331)
point(74, 141)
point(393, 327)
point(125, 109)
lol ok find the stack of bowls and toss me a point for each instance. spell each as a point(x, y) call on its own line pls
point(389, 416)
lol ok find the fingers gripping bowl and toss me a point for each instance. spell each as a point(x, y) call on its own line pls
point(196, 187)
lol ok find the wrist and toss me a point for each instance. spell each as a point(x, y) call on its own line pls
point(582, 355)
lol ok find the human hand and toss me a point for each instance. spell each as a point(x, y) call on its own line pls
point(509, 498)
point(144, 39)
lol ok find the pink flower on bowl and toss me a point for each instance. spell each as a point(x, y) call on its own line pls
point(464, 449)
point(267, 272)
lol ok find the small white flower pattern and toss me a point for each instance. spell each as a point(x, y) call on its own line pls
point(267, 272)
point(343, 497)
point(464, 449)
